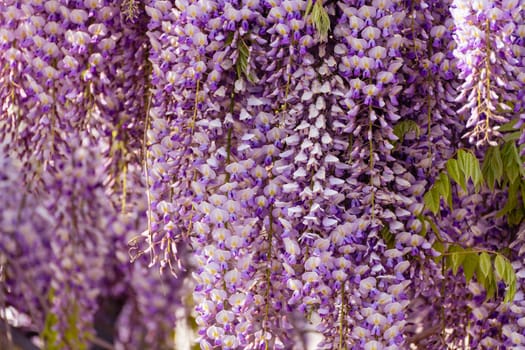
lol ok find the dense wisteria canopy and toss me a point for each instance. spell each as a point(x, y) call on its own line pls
point(262, 174)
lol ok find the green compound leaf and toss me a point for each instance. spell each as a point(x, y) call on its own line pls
point(511, 292)
point(492, 168)
point(490, 286)
point(320, 18)
point(456, 173)
point(241, 65)
point(444, 187)
point(439, 247)
point(511, 125)
point(509, 277)
point(469, 166)
point(512, 137)
point(431, 199)
point(388, 237)
point(457, 257)
point(73, 335)
point(462, 158)
point(441, 188)
point(511, 162)
point(499, 265)
point(512, 200)
point(480, 264)
point(308, 8)
point(470, 264)
point(486, 277)
point(229, 39)
point(404, 127)
point(50, 334)
point(485, 264)
point(476, 174)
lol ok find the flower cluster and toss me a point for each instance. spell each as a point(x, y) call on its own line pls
point(291, 152)
point(491, 64)
point(68, 244)
point(66, 68)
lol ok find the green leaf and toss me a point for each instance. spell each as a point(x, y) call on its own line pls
point(49, 333)
point(512, 173)
point(431, 199)
point(445, 188)
point(470, 264)
point(492, 168)
point(522, 190)
point(515, 217)
point(479, 275)
point(490, 286)
point(510, 275)
point(476, 174)
point(512, 200)
point(515, 156)
point(513, 136)
point(320, 20)
point(487, 281)
point(510, 126)
point(462, 158)
point(388, 237)
point(241, 65)
point(469, 166)
point(510, 280)
point(438, 246)
point(229, 39)
point(457, 258)
point(423, 232)
point(511, 292)
point(404, 127)
point(485, 264)
point(456, 174)
point(308, 8)
point(511, 162)
point(499, 265)
point(434, 228)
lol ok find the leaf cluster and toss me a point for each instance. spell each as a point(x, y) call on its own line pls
point(72, 337)
point(488, 267)
point(462, 169)
point(319, 17)
point(241, 65)
point(504, 166)
point(404, 127)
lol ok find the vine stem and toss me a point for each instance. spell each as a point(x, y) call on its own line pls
point(124, 182)
point(269, 254)
point(146, 171)
point(342, 315)
point(487, 78)
point(195, 106)
point(442, 308)
point(371, 160)
point(467, 250)
point(192, 125)
point(429, 130)
point(268, 277)
point(229, 136)
point(288, 82)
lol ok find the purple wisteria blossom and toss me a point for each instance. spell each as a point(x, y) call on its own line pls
point(353, 166)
